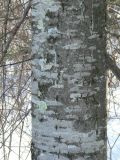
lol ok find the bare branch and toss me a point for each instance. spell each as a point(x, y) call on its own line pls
point(15, 30)
point(111, 64)
point(15, 63)
point(110, 9)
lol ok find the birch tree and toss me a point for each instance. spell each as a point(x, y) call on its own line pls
point(69, 80)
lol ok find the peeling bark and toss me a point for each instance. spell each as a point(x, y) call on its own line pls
point(69, 80)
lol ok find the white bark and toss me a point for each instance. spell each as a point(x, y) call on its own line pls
point(69, 80)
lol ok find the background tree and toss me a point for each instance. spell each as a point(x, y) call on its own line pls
point(113, 109)
point(14, 77)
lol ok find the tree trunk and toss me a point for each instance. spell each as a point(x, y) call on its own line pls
point(69, 80)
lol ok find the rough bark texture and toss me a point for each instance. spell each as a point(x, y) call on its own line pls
point(69, 84)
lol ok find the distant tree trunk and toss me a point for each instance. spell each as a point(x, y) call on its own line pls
point(69, 80)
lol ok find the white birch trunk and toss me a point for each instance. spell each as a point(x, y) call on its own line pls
point(69, 80)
